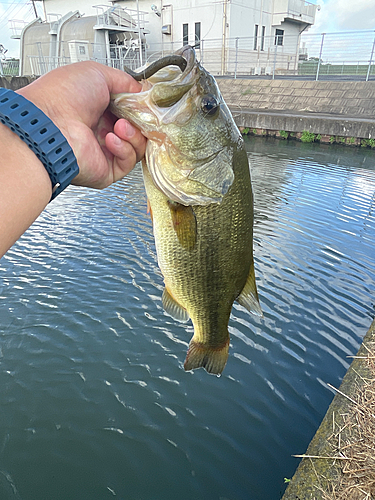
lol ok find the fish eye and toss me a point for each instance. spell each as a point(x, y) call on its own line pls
point(209, 105)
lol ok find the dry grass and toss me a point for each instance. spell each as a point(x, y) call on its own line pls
point(352, 442)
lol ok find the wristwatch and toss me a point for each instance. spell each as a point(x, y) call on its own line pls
point(42, 136)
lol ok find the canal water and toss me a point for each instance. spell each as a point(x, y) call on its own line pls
point(94, 402)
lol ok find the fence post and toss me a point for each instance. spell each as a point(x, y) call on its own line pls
point(274, 59)
point(370, 63)
point(236, 60)
point(320, 58)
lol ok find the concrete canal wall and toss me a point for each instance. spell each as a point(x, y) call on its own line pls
point(339, 462)
point(16, 82)
point(343, 109)
point(332, 111)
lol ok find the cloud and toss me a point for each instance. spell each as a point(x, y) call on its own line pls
point(344, 15)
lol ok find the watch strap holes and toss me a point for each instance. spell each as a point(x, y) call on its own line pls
point(42, 137)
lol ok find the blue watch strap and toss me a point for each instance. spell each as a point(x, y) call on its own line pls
point(42, 136)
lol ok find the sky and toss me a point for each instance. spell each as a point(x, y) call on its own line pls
point(344, 15)
point(333, 16)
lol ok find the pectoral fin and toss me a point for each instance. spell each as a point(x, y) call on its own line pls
point(149, 209)
point(172, 307)
point(248, 298)
point(184, 223)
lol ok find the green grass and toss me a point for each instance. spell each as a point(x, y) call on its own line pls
point(307, 136)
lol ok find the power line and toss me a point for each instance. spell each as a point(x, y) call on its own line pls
point(11, 12)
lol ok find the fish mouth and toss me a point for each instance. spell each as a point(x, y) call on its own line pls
point(152, 107)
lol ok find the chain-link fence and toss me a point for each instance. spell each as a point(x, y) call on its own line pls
point(313, 56)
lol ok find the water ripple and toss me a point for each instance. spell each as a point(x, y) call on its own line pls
point(95, 402)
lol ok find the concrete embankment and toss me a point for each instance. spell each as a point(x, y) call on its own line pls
point(339, 462)
point(329, 110)
point(16, 82)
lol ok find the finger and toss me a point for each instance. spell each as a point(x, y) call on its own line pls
point(119, 81)
point(124, 130)
point(124, 156)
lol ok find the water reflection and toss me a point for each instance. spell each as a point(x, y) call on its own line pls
point(94, 399)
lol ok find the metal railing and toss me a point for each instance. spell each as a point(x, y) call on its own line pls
point(313, 56)
point(337, 54)
point(9, 67)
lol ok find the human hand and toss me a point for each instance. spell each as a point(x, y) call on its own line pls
point(76, 98)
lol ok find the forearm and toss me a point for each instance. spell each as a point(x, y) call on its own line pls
point(25, 188)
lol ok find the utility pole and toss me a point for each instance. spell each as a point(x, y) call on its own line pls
point(224, 41)
point(35, 12)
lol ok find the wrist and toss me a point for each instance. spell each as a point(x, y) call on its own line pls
point(42, 136)
point(25, 188)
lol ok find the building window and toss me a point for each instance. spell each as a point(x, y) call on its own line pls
point(256, 37)
point(185, 34)
point(82, 49)
point(279, 37)
point(263, 36)
point(197, 35)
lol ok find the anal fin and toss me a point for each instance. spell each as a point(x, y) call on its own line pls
point(173, 308)
point(212, 359)
point(248, 298)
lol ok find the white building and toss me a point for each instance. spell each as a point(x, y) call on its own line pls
point(245, 36)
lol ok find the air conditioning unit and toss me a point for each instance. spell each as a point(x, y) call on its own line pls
point(166, 29)
point(79, 50)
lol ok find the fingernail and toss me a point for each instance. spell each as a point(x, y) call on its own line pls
point(130, 130)
point(116, 140)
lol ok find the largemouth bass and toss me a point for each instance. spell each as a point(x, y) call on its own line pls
point(197, 181)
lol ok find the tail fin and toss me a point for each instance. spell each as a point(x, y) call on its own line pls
point(212, 359)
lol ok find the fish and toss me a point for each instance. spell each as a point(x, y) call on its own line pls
point(197, 180)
